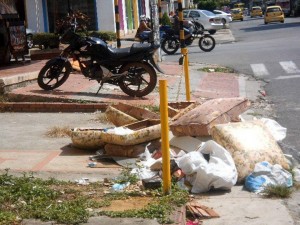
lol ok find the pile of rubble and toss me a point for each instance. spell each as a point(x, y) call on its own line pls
point(211, 145)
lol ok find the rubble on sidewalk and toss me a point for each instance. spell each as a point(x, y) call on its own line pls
point(199, 211)
point(249, 142)
point(214, 149)
point(199, 121)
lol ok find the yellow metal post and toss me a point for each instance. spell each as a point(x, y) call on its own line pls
point(135, 14)
point(164, 118)
point(184, 52)
point(186, 73)
point(117, 18)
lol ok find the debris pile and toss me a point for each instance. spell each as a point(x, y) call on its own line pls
point(211, 145)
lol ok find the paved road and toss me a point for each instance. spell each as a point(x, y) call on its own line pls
point(270, 53)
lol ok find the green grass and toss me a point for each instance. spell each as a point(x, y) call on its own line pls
point(27, 197)
point(277, 191)
point(160, 208)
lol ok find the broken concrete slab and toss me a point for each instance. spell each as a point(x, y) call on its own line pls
point(185, 143)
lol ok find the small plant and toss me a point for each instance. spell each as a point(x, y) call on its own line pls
point(165, 20)
point(277, 191)
point(126, 176)
point(59, 132)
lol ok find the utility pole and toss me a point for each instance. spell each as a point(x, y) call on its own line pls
point(155, 25)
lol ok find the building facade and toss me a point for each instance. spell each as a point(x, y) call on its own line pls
point(41, 15)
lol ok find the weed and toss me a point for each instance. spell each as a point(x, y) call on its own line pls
point(254, 114)
point(277, 191)
point(4, 98)
point(59, 132)
point(126, 176)
point(217, 69)
point(160, 208)
point(101, 117)
point(27, 197)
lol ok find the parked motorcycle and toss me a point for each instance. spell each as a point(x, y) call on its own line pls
point(171, 42)
point(131, 68)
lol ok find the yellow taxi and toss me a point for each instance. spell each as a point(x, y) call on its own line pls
point(274, 14)
point(256, 11)
point(237, 14)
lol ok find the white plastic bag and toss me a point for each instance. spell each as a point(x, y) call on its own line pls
point(218, 172)
point(277, 131)
point(265, 174)
point(190, 161)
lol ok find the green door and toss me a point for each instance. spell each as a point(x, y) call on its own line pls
point(129, 14)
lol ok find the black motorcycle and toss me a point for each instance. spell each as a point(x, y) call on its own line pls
point(171, 42)
point(131, 68)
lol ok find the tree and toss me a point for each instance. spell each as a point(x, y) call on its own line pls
point(211, 4)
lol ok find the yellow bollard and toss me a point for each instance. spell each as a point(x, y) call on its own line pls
point(186, 74)
point(184, 52)
point(164, 118)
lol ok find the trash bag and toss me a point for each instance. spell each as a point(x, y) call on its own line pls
point(277, 131)
point(210, 167)
point(265, 174)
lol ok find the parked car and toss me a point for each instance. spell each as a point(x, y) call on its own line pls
point(226, 17)
point(256, 11)
point(205, 19)
point(274, 14)
point(237, 14)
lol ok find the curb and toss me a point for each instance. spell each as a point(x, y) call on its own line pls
point(21, 80)
point(51, 107)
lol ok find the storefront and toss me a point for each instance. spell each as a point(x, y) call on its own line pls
point(58, 9)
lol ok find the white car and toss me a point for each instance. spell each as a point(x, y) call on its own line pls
point(205, 19)
point(226, 17)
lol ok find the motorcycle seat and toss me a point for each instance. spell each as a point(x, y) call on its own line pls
point(123, 52)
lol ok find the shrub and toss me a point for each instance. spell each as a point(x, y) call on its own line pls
point(46, 39)
point(104, 35)
point(208, 5)
point(165, 20)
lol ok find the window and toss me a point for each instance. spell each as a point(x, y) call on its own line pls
point(194, 14)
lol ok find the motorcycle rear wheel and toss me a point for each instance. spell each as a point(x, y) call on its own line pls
point(140, 80)
point(53, 75)
point(170, 46)
point(207, 43)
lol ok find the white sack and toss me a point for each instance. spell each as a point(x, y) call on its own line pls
point(219, 172)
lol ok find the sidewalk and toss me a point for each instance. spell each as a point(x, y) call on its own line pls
point(79, 88)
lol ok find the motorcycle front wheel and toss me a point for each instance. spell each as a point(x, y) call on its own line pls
point(53, 74)
point(139, 81)
point(207, 43)
point(170, 45)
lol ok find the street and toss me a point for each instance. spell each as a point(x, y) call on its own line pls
point(269, 53)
